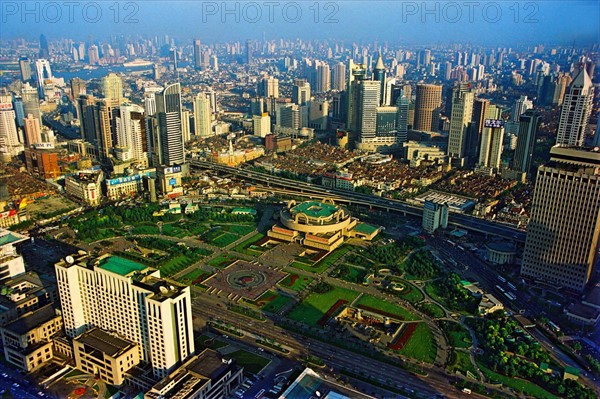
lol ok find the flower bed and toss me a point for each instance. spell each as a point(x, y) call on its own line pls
point(404, 337)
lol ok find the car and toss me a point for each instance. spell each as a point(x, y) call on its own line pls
point(4, 375)
point(15, 385)
point(261, 350)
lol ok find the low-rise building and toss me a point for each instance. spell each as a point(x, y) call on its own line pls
point(11, 263)
point(27, 341)
point(107, 355)
point(85, 186)
point(204, 376)
point(501, 253)
point(128, 186)
point(25, 293)
point(169, 180)
point(435, 215)
point(42, 163)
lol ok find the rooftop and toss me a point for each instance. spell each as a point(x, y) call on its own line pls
point(109, 343)
point(365, 228)
point(314, 209)
point(9, 237)
point(32, 320)
point(121, 266)
point(309, 382)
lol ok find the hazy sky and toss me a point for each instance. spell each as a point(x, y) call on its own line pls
point(504, 22)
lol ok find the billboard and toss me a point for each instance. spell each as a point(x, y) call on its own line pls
point(493, 123)
point(172, 181)
point(172, 169)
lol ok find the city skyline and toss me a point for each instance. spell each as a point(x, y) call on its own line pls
point(404, 22)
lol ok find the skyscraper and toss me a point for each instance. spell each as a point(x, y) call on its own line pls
point(197, 54)
point(78, 87)
point(31, 100)
point(576, 109)
point(492, 138)
point(25, 68)
point(403, 104)
point(427, 107)
point(119, 295)
point(300, 92)
point(42, 72)
point(356, 74)
point(366, 109)
point(323, 78)
point(103, 120)
point(9, 138)
point(87, 118)
point(268, 87)
point(112, 87)
point(249, 59)
point(339, 77)
point(521, 105)
point(460, 120)
point(168, 112)
point(379, 76)
point(529, 123)
point(44, 50)
point(202, 115)
point(130, 132)
point(562, 235)
point(32, 128)
point(93, 55)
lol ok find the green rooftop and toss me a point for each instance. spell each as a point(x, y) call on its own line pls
point(244, 210)
point(10, 238)
point(314, 209)
point(365, 228)
point(121, 266)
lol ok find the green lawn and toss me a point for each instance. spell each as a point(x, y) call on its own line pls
point(461, 361)
point(224, 239)
point(239, 229)
point(145, 230)
point(431, 309)
point(380, 304)
point(306, 266)
point(316, 305)
point(300, 282)
point(243, 246)
point(221, 261)
point(458, 336)
point(189, 278)
point(175, 265)
point(421, 345)
point(277, 304)
point(331, 258)
point(529, 388)
point(349, 273)
point(250, 361)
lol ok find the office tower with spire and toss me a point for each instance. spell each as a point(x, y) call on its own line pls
point(112, 87)
point(576, 110)
point(168, 112)
point(202, 115)
point(529, 124)
point(197, 54)
point(427, 107)
point(492, 139)
point(44, 49)
point(562, 235)
point(379, 76)
point(339, 76)
point(460, 121)
point(131, 299)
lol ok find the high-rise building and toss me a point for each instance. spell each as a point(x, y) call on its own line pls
point(435, 215)
point(403, 104)
point(323, 78)
point(562, 235)
point(202, 115)
point(44, 50)
point(168, 111)
point(521, 105)
point(261, 125)
point(93, 55)
point(339, 76)
point(367, 95)
point(112, 87)
point(379, 76)
point(424, 57)
point(130, 131)
point(115, 294)
point(25, 68)
point(33, 130)
point(300, 92)
point(86, 105)
point(529, 123)
point(197, 54)
point(356, 74)
point(427, 107)
point(9, 138)
point(249, 58)
point(576, 109)
point(31, 100)
point(268, 87)
point(78, 87)
point(460, 120)
point(42, 73)
point(492, 139)
point(562, 82)
point(19, 108)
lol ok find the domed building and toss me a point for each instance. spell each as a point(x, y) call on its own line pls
point(319, 225)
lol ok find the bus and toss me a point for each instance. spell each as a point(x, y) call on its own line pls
point(510, 296)
point(500, 289)
point(451, 243)
point(460, 247)
point(553, 326)
point(511, 286)
point(502, 279)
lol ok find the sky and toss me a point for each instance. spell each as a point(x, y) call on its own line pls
point(481, 22)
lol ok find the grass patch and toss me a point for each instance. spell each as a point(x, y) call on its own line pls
point(250, 361)
point(431, 309)
point(331, 258)
point(421, 345)
point(411, 293)
point(175, 265)
point(316, 305)
point(528, 388)
point(349, 273)
point(296, 282)
point(224, 240)
point(246, 246)
point(194, 277)
point(221, 261)
point(275, 305)
point(388, 307)
point(461, 362)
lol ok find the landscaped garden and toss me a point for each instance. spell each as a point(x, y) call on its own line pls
point(272, 302)
point(369, 302)
point(458, 336)
point(247, 247)
point(296, 282)
point(221, 261)
point(318, 303)
point(421, 344)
